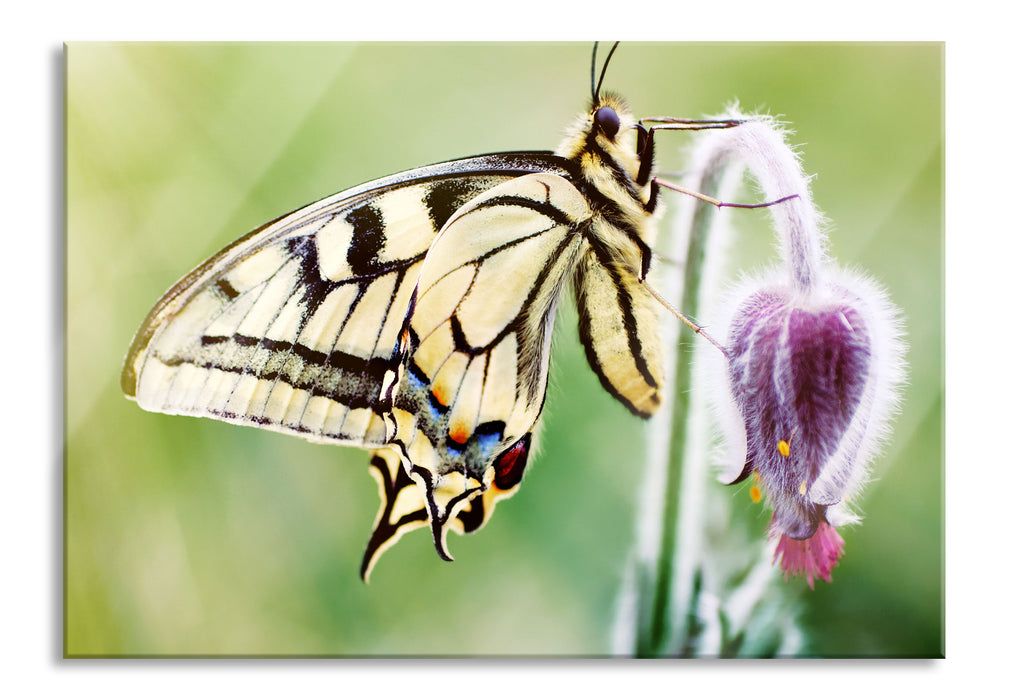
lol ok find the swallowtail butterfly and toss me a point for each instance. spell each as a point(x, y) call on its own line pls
point(412, 316)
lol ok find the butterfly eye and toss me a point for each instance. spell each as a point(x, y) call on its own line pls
point(609, 121)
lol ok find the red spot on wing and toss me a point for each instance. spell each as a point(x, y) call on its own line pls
point(511, 464)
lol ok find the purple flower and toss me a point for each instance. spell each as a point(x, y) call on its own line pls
point(811, 389)
point(797, 376)
point(812, 362)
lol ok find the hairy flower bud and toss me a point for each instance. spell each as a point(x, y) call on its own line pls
point(812, 360)
point(798, 372)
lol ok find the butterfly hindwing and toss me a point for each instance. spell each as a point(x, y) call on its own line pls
point(401, 506)
point(474, 370)
point(403, 501)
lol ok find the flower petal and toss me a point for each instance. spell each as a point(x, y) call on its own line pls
point(797, 372)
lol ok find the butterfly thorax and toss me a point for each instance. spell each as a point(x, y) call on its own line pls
point(605, 155)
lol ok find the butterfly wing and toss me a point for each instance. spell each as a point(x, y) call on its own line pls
point(403, 506)
point(619, 329)
point(474, 352)
point(293, 327)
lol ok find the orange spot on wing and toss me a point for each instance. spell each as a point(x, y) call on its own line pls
point(459, 434)
point(438, 391)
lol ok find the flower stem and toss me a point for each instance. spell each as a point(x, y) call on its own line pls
point(656, 639)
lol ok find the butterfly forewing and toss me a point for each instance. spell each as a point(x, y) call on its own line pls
point(619, 331)
point(293, 327)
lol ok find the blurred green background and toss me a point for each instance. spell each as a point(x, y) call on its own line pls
point(187, 536)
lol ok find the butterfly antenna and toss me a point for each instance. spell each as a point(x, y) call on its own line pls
point(602, 75)
point(592, 75)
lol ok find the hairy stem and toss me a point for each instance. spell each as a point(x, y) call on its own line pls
point(656, 629)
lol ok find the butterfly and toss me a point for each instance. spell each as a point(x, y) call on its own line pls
point(412, 316)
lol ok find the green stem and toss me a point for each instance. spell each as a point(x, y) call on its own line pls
point(655, 640)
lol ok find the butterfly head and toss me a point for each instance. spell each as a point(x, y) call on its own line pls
point(610, 148)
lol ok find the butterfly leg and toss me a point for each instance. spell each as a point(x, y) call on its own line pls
point(717, 202)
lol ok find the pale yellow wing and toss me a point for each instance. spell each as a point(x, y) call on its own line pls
point(619, 329)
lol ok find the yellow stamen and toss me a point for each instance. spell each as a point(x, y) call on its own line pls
point(783, 448)
point(802, 489)
point(755, 493)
